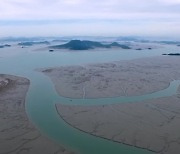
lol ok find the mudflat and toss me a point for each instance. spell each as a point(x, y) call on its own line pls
point(123, 78)
point(152, 125)
point(17, 134)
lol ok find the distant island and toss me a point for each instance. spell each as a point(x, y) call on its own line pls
point(138, 49)
point(86, 45)
point(6, 45)
point(172, 54)
point(170, 42)
point(33, 43)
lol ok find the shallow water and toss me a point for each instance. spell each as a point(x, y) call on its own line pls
point(41, 98)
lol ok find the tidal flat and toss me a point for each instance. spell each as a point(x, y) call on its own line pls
point(18, 135)
point(152, 124)
point(120, 78)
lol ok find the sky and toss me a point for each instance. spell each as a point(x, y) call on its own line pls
point(90, 18)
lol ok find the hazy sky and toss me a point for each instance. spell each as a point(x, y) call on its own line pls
point(89, 17)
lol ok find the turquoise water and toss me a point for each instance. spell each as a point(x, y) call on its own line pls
point(41, 97)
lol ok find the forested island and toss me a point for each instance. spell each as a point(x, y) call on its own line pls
point(86, 45)
point(4, 46)
point(33, 43)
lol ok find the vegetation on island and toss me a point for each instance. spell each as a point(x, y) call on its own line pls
point(86, 45)
point(33, 43)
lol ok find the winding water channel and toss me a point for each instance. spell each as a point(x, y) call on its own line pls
point(42, 96)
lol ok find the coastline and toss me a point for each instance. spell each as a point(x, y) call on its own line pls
point(17, 133)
